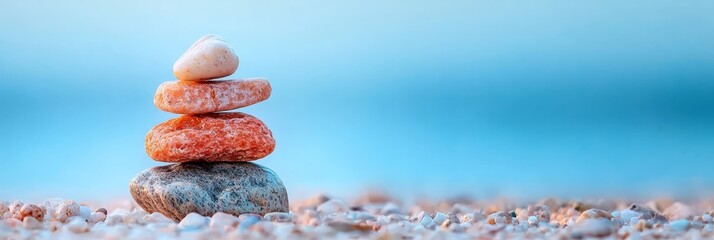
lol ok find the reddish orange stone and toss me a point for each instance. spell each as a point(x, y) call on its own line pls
point(186, 97)
point(213, 137)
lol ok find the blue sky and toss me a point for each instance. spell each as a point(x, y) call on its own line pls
point(484, 98)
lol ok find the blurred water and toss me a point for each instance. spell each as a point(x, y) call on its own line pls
point(437, 97)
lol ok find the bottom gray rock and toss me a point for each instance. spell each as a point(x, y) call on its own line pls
point(206, 188)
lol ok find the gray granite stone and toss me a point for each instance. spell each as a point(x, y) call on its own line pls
point(176, 190)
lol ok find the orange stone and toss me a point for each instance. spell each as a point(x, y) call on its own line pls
point(185, 97)
point(212, 137)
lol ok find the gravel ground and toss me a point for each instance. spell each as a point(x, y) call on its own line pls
point(372, 216)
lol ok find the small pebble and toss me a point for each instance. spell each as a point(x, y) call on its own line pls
point(15, 206)
point(593, 214)
point(332, 206)
point(221, 220)
point(634, 220)
point(314, 222)
point(247, 220)
point(96, 217)
point(475, 217)
point(66, 210)
point(499, 218)
point(135, 216)
point(390, 208)
point(453, 218)
point(680, 225)
point(532, 220)
point(419, 216)
point(278, 217)
point(626, 215)
point(193, 221)
point(84, 212)
point(3, 208)
point(426, 221)
point(305, 216)
point(643, 225)
point(594, 227)
point(439, 218)
point(31, 223)
point(447, 224)
point(707, 218)
point(101, 210)
point(30, 210)
point(645, 211)
point(678, 211)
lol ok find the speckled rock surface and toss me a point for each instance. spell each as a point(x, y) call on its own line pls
point(209, 57)
point(184, 97)
point(207, 188)
point(213, 137)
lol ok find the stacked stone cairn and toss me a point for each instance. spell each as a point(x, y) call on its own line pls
point(210, 150)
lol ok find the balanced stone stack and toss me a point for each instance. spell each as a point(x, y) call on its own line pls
point(210, 150)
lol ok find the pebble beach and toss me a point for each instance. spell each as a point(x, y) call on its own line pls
point(370, 216)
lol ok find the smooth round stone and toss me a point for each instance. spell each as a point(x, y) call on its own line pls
point(593, 213)
point(184, 97)
point(593, 227)
point(193, 221)
point(207, 188)
point(208, 58)
point(212, 137)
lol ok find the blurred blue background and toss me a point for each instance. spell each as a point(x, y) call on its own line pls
point(483, 98)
